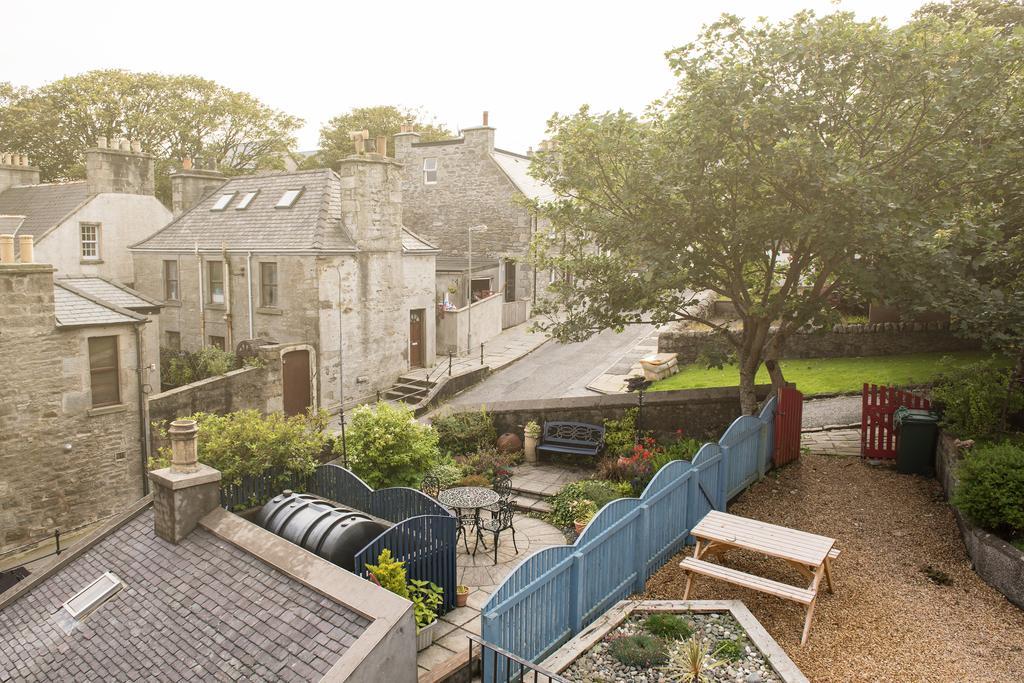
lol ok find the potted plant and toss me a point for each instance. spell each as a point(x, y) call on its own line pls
point(426, 597)
point(461, 594)
point(584, 511)
point(531, 434)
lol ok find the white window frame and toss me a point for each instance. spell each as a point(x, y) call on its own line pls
point(289, 198)
point(430, 167)
point(246, 199)
point(94, 242)
point(223, 201)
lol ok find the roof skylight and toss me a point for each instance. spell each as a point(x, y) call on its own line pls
point(288, 199)
point(246, 199)
point(222, 202)
point(85, 601)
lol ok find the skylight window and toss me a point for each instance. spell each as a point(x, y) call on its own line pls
point(246, 199)
point(222, 202)
point(86, 601)
point(288, 199)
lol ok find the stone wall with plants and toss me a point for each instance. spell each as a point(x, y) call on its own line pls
point(882, 339)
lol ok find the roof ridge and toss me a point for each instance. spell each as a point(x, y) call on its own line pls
point(511, 153)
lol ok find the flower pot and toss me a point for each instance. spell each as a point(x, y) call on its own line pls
point(580, 526)
point(425, 636)
point(461, 595)
point(530, 447)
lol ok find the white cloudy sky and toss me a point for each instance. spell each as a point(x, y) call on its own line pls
point(520, 60)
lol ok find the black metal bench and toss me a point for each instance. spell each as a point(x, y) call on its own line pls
point(573, 438)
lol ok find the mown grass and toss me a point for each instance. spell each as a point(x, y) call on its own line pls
point(832, 375)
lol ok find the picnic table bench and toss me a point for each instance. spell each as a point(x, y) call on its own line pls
point(574, 438)
point(809, 554)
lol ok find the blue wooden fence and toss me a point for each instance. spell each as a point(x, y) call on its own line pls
point(554, 593)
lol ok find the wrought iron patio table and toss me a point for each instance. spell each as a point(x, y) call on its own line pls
point(469, 498)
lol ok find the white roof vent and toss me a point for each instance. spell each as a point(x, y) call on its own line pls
point(87, 600)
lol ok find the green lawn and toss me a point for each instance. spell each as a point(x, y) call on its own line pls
point(831, 375)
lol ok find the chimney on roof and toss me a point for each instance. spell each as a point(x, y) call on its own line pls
point(27, 252)
point(6, 249)
point(189, 186)
point(480, 136)
point(187, 490)
point(120, 167)
point(16, 170)
point(405, 139)
point(485, 119)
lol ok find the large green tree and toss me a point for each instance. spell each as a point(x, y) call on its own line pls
point(335, 143)
point(793, 162)
point(172, 116)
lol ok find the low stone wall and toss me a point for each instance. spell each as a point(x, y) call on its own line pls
point(841, 341)
point(700, 413)
point(997, 562)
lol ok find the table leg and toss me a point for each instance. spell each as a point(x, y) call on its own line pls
point(807, 621)
point(828, 574)
point(689, 575)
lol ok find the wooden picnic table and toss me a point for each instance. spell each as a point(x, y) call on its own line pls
point(810, 554)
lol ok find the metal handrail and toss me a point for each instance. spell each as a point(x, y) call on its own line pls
point(539, 673)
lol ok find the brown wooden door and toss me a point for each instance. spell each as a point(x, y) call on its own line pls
point(510, 281)
point(297, 394)
point(416, 338)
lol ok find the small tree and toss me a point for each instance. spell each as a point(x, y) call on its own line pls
point(390, 448)
point(386, 120)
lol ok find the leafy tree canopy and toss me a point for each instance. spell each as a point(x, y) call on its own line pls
point(172, 116)
point(335, 143)
point(793, 162)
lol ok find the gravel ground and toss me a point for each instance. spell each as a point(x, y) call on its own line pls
point(887, 621)
point(840, 410)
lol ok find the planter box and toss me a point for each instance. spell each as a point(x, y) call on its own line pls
point(425, 636)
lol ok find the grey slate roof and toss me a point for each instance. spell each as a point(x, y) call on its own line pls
point(460, 264)
point(313, 222)
point(197, 611)
point(411, 242)
point(43, 206)
point(517, 167)
point(73, 307)
point(111, 292)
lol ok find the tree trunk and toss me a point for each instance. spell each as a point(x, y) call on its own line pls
point(748, 390)
point(775, 372)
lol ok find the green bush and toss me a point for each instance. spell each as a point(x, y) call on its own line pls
point(620, 435)
point(640, 651)
point(564, 505)
point(388, 447)
point(178, 368)
point(974, 398)
point(247, 443)
point(487, 462)
point(426, 596)
point(447, 472)
point(464, 433)
point(991, 488)
point(729, 650)
point(390, 573)
point(668, 626)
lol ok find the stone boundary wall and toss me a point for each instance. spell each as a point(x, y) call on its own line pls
point(881, 339)
point(700, 413)
point(997, 562)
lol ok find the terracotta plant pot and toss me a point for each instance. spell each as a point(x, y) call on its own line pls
point(461, 595)
point(580, 526)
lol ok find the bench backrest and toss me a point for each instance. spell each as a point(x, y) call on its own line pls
point(573, 433)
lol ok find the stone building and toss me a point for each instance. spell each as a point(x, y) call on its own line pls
point(317, 257)
point(72, 409)
point(451, 186)
point(84, 227)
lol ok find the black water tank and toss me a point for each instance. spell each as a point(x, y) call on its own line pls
point(332, 532)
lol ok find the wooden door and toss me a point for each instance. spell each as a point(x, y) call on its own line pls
point(510, 281)
point(788, 417)
point(297, 391)
point(416, 320)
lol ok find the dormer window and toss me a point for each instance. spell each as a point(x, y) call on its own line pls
point(246, 200)
point(429, 171)
point(222, 202)
point(288, 199)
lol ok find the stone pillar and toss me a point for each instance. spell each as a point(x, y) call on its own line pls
point(187, 490)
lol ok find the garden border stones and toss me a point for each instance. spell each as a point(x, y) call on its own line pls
point(562, 658)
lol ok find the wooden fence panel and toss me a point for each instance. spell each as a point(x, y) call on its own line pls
point(878, 438)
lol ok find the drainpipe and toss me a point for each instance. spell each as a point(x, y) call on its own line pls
point(140, 361)
point(202, 300)
point(533, 267)
point(248, 284)
point(229, 343)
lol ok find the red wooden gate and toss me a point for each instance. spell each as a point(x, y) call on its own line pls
point(788, 414)
point(878, 439)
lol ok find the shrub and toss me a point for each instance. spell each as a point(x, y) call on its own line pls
point(640, 651)
point(991, 489)
point(447, 472)
point(974, 398)
point(488, 462)
point(178, 368)
point(475, 480)
point(247, 443)
point(390, 573)
point(426, 597)
point(668, 626)
point(463, 433)
point(389, 447)
point(582, 510)
point(620, 435)
point(729, 650)
point(563, 503)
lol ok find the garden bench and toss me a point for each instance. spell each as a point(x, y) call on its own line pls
point(573, 438)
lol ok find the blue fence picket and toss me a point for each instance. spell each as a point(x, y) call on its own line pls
point(558, 591)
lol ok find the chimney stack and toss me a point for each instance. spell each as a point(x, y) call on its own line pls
point(187, 490)
point(6, 249)
point(119, 167)
point(15, 170)
point(27, 253)
point(405, 139)
point(480, 136)
point(189, 186)
point(485, 119)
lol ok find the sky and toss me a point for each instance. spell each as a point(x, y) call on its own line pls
point(522, 61)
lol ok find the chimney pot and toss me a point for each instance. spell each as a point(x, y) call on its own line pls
point(485, 118)
point(136, 146)
point(186, 491)
point(6, 248)
point(125, 145)
point(186, 164)
point(27, 253)
point(101, 142)
point(184, 453)
point(382, 145)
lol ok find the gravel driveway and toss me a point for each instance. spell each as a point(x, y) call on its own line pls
point(887, 621)
point(840, 410)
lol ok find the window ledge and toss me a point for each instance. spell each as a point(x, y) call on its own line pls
point(108, 410)
point(90, 261)
point(172, 302)
point(215, 307)
point(269, 310)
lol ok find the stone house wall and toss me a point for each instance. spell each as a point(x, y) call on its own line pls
point(62, 463)
point(841, 341)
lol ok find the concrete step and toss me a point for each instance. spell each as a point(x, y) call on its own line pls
point(415, 381)
point(528, 502)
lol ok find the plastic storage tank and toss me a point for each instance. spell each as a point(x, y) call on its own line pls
point(331, 531)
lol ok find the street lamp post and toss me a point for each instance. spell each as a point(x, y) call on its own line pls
point(341, 371)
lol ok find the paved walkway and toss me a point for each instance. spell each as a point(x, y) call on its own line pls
point(832, 442)
point(508, 347)
point(613, 379)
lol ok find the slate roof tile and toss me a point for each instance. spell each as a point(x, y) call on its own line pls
point(73, 307)
point(111, 292)
point(43, 206)
point(517, 167)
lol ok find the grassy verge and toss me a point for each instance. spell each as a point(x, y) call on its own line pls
point(832, 375)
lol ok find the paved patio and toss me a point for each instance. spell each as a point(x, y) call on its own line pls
point(533, 483)
point(832, 441)
point(483, 576)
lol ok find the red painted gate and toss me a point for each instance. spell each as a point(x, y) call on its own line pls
point(878, 439)
point(788, 414)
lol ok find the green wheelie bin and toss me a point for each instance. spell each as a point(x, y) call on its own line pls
point(918, 433)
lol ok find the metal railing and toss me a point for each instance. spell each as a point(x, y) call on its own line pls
point(497, 664)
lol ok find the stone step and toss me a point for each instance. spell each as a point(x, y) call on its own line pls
point(532, 488)
point(526, 502)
